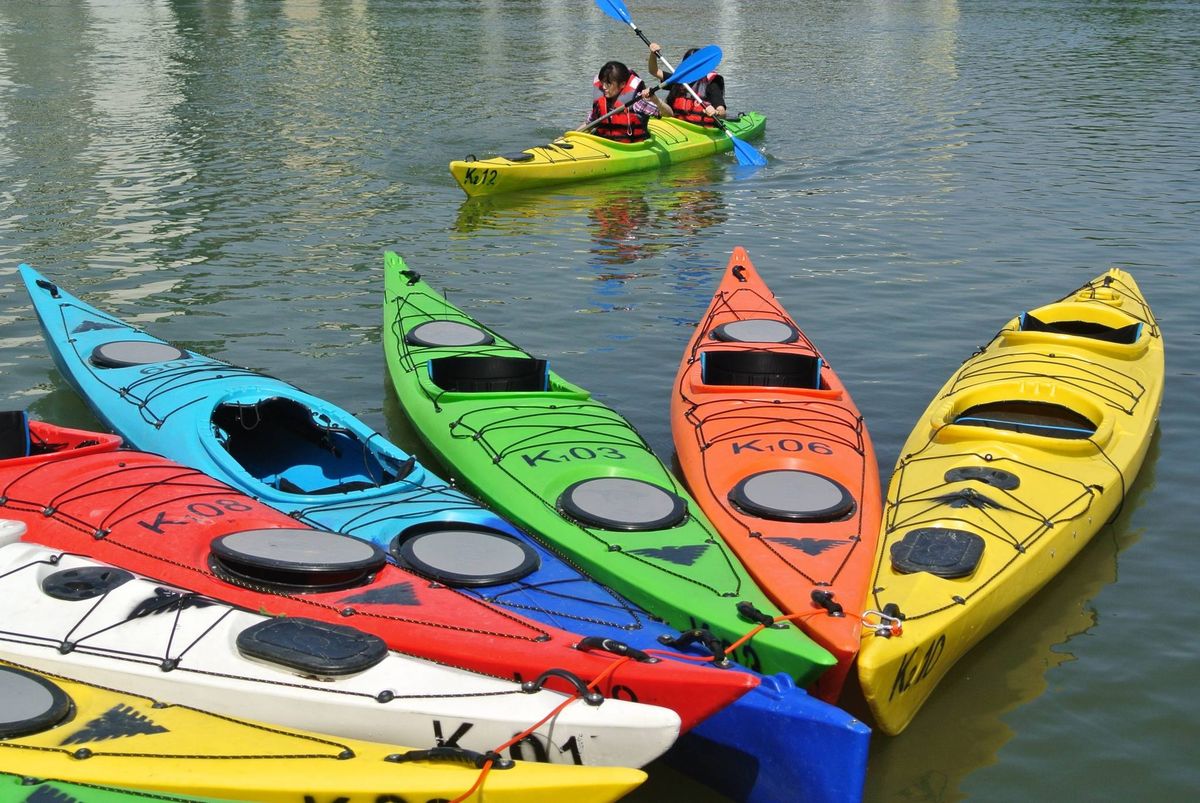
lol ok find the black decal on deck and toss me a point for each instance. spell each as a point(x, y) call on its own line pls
point(809, 546)
point(166, 599)
point(115, 723)
point(45, 794)
point(681, 555)
point(93, 326)
point(398, 594)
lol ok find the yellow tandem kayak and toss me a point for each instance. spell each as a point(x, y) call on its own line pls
point(52, 727)
point(576, 156)
point(1025, 453)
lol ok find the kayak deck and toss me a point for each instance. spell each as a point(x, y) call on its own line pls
point(575, 473)
point(1026, 452)
point(578, 156)
point(778, 456)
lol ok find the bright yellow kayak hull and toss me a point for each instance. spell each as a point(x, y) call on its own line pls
point(1033, 493)
point(577, 156)
point(113, 738)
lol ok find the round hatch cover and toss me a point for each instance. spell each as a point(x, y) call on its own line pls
point(791, 495)
point(447, 333)
point(126, 353)
point(303, 560)
point(462, 556)
point(619, 503)
point(29, 703)
point(756, 330)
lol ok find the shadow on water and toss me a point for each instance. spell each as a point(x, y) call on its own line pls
point(399, 430)
point(63, 406)
point(962, 726)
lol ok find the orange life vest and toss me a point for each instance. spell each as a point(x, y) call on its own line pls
point(624, 126)
point(686, 107)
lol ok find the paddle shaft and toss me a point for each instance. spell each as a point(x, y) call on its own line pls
point(743, 151)
point(617, 110)
point(658, 55)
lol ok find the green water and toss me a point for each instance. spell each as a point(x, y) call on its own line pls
point(230, 173)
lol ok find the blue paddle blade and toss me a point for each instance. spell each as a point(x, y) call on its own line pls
point(746, 153)
point(615, 9)
point(695, 66)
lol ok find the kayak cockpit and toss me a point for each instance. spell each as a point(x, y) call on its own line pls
point(499, 375)
point(288, 446)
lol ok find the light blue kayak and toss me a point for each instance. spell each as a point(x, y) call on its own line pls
point(309, 458)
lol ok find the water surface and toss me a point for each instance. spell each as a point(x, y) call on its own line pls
point(228, 174)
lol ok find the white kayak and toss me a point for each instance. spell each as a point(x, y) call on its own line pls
point(72, 616)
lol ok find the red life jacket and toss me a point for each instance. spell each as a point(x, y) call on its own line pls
point(686, 107)
point(625, 126)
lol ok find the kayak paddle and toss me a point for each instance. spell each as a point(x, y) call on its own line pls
point(745, 152)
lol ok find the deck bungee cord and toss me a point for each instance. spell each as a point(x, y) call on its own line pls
point(1023, 455)
point(325, 469)
point(554, 460)
point(778, 456)
point(448, 368)
point(94, 734)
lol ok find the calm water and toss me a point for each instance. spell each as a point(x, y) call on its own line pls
point(228, 174)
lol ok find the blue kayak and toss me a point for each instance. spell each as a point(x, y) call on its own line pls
point(317, 462)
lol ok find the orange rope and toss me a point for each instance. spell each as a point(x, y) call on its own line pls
point(487, 765)
point(794, 617)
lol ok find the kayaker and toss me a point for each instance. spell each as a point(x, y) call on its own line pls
point(616, 85)
point(710, 88)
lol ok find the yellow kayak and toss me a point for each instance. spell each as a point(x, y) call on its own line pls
point(1022, 457)
point(52, 727)
point(577, 156)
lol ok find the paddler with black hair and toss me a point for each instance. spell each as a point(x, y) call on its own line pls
point(617, 86)
point(710, 88)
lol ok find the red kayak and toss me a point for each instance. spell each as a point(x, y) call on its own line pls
point(76, 492)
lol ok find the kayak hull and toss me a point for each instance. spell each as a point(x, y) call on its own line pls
point(1025, 453)
point(579, 156)
point(90, 734)
point(196, 651)
point(756, 402)
point(528, 452)
point(241, 427)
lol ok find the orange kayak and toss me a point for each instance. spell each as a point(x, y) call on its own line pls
point(778, 456)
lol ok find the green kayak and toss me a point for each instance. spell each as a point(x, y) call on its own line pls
point(22, 789)
point(574, 473)
point(577, 156)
